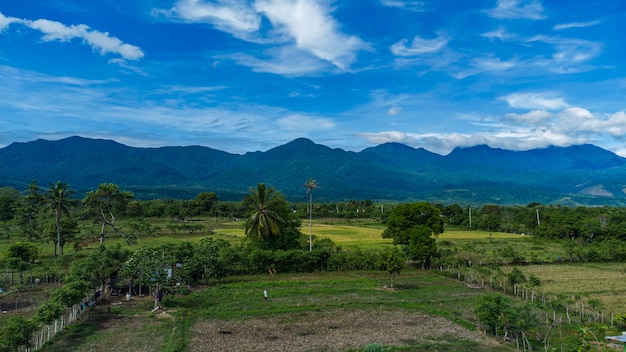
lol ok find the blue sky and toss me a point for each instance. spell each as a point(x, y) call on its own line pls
point(241, 76)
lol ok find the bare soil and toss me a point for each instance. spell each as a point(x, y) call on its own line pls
point(329, 331)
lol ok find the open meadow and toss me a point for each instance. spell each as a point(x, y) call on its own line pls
point(305, 312)
point(599, 286)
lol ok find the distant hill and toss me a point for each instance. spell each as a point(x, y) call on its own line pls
point(577, 175)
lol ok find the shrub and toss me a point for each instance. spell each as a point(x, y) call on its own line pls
point(373, 347)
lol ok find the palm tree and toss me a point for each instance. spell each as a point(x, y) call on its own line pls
point(58, 200)
point(310, 184)
point(265, 221)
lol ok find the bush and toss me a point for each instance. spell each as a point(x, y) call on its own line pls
point(373, 347)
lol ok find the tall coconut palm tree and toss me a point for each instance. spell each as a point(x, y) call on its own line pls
point(265, 221)
point(310, 184)
point(58, 199)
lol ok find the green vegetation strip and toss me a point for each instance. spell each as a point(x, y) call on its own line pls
point(292, 297)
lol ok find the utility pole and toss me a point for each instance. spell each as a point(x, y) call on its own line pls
point(538, 222)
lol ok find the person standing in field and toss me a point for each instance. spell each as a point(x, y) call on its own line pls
point(265, 294)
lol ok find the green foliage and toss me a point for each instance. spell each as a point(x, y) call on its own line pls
point(413, 225)
point(265, 220)
point(16, 332)
point(491, 310)
point(516, 276)
point(407, 216)
point(272, 224)
point(9, 198)
point(620, 320)
point(499, 317)
point(206, 202)
point(99, 265)
point(373, 347)
point(27, 213)
point(58, 200)
point(67, 232)
point(511, 255)
point(206, 257)
point(49, 311)
point(103, 203)
point(422, 247)
point(25, 251)
point(143, 228)
point(148, 267)
point(534, 281)
point(392, 261)
point(71, 293)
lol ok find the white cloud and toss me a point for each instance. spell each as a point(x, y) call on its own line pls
point(571, 51)
point(420, 46)
point(531, 130)
point(5, 21)
point(616, 125)
point(313, 29)
point(406, 4)
point(394, 110)
point(285, 60)
point(377, 138)
point(493, 64)
point(541, 101)
point(518, 9)
point(485, 64)
point(303, 24)
point(57, 31)
point(500, 34)
point(534, 117)
point(233, 16)
point(303, 124)
point(559, 27)
point(444, 143)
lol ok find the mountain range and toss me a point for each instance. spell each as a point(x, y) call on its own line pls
point(576, 175)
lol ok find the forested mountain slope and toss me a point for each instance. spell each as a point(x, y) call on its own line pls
point(583, 174)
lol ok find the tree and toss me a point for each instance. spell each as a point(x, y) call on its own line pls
point(409, 215)
point(272, 224)
point(58, 199)
point(27, 212)
point(310, 184)
point(103, 202)
point(68, 233)
point(392, 261)
point(490, 219)
point(491, 310)
point(265, 221)
point(99, 266)
point(148, 267)
point(516, 276)
point(16, 332)
point(422, 247)
point(413, 225)
point(19, 256)
point(206, 257)
point(206, 202)
point(8, 198)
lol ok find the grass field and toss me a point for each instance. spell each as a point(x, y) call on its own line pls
point(305, 312)
point(486, 247)
point(583, 283)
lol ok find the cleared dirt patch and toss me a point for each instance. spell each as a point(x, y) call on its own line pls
point(328, 331)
